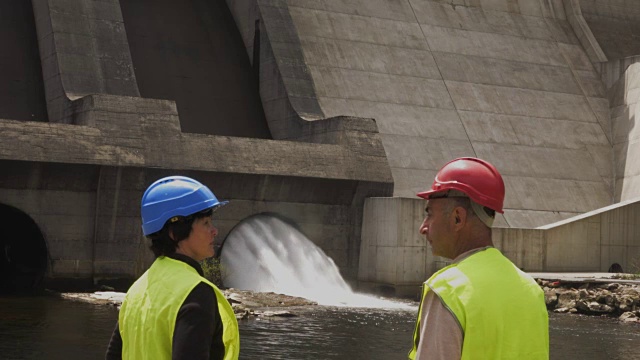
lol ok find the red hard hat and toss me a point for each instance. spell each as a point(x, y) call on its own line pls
point(475, 177)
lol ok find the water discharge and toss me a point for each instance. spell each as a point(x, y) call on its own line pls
point(264, 253)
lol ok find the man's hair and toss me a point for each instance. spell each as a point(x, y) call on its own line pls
point(465, 203)
point(180, 226)
point(460, 201)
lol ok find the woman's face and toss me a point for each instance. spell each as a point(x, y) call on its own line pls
point(199, 244)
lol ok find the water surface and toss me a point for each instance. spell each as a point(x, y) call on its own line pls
point(52, 328)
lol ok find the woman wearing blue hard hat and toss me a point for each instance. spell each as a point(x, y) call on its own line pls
point(172, 311)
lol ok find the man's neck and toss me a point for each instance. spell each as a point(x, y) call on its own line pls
point(468, 253)
point(472, 244)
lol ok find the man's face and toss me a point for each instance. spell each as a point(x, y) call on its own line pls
point(438, 228)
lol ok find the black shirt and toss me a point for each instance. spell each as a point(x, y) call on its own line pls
point(198, 331)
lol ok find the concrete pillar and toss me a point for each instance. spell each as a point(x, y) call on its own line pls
point(84, 50)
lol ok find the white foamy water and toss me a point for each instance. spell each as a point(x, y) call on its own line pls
point(264, 253)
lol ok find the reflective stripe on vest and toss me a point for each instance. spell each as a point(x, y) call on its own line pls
point(148, 314)
point(500, 309)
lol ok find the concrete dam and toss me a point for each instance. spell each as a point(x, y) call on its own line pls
point(331, 113)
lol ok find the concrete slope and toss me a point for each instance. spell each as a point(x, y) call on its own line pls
point(625, 111)
point(615, 25)
point(191, 52)
point(507, 81)
point(21, 86)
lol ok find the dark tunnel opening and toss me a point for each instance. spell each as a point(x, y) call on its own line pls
point(23, 252)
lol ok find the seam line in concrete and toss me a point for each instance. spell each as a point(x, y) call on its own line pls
point(388, 102)
point(503, 59)
point(375, 72)
point(346, 13)
point(610, 132)
point(454, 109)
point(545, 146)
point(431, 52)
point(522, 88)
point(446, 27)
point(581, 93)
point(549, 40)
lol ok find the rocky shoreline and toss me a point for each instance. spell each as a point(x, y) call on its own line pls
point(611, 299)
point(618, 300)
point(246, 304)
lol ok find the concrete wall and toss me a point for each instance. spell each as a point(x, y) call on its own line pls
point(615, 24)
point(21, 87)
point(393, 253)
point(595, 240)
point(121, 137)
point(625, 111)
point(507, 81)
point(105, 144)
point(83, 50)
point(511, 81)
point(61, 199)
point(89, 214)
point(191, 52)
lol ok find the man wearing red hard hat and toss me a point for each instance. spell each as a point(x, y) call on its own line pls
point(481, 306)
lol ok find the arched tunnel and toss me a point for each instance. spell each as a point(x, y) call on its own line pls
point(23, 252)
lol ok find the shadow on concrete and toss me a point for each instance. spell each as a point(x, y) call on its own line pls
point(192, 52)
point(623, 101)
point(21, 85)
point(23, 252)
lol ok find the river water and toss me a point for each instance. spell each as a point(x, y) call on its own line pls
point(47, 327)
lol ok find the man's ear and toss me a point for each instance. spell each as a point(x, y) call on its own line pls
point(460, 217)
point(171, 235)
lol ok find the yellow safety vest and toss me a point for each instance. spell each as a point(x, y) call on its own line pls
point(500, 309)
point(148, 314)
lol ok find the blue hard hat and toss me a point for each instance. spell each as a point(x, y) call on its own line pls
point(174, 196)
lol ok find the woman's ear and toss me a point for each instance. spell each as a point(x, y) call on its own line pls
point(171, 235)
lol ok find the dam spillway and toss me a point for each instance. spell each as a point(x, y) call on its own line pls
point(307, 109)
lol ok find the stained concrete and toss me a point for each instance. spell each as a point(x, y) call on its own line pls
point(615, 25)
point(394, 254)
point(503, 80)
point(81, 175)
point(359, 96)
point(21, 84)
point(625, 113)
point(191, 52)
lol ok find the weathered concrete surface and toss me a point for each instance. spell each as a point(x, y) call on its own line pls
point(581, 28)
point(21, 86)
point(625, 111)
point(315, 185)
point(83, 50)
point(511, 81)
point(199, 61)
point(394, 254)
point(615, 25)
point(81, 175)
point(507, 81)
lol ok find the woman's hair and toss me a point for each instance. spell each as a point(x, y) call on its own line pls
point(162, 244)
